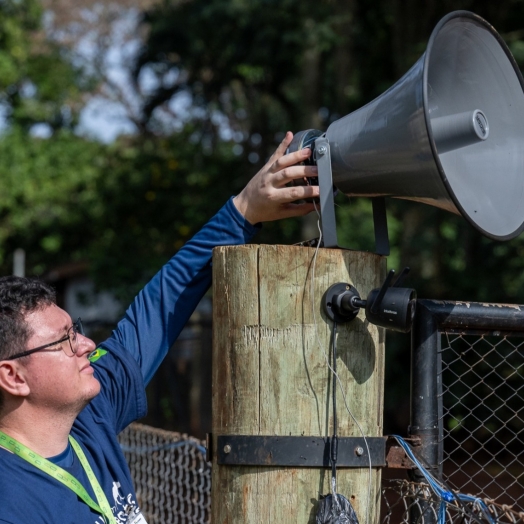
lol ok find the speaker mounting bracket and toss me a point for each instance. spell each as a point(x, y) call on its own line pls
point(328, 223)
point(380, 224)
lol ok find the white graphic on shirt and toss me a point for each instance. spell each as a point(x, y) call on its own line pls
point(125, 506)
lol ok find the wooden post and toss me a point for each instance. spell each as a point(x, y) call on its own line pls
point(270, 376)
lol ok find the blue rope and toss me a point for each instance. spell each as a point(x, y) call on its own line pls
point(444, 495)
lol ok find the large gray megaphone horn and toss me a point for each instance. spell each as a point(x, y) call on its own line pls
point(450, 133)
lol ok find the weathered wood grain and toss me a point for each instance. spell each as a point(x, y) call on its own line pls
point(270, 375)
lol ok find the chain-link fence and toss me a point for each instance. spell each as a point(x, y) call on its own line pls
point(483, 415)
point(467, 397)
point(173, 485)
point(171, 477)
point(405, 502)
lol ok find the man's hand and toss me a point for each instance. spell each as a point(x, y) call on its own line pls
point(266, 196)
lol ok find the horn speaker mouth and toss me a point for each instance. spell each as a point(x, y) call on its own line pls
point(468, 67)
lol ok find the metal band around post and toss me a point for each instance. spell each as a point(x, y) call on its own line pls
point(299, 451)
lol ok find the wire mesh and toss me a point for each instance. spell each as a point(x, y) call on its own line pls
point(171, 477)
point(405, 502)
point(482, 416)
point(173, 485)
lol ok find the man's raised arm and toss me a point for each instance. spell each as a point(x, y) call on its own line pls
point(159, 312)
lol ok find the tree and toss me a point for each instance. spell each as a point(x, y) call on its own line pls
point(48, 172)
point(155, 192)
point(225, 78)
point(49, 198)
point(39, 85)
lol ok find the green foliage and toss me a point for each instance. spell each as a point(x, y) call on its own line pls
point(39, 84)
point(48, 197)
point(248, 60)
point(269, 66)
point(155, 193)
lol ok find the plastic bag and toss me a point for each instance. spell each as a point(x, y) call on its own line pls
point(339, 512)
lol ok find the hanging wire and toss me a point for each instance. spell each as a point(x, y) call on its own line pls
point(334, 373)
point(334, 439)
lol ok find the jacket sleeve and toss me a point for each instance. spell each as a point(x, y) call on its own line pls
point(159, 312)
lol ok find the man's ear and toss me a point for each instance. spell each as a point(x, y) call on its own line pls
point(12, 379)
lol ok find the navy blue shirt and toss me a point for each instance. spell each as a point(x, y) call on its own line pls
point(134, 352)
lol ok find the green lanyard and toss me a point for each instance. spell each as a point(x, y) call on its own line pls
point(63, 476)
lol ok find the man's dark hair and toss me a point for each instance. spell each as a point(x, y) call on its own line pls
point(18, 297)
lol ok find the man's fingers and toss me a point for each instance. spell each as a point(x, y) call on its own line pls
point(297, 210)
point(291, 194)
point(291, 173)
point(269, 195)
point(281, 162)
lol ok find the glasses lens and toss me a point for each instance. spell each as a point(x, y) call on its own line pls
point(80, 327)
point(73, 332)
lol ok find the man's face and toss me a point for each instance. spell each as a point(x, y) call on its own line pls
point(56, 379)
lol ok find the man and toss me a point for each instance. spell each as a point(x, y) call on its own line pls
point(60, 461)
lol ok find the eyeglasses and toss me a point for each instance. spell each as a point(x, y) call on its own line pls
point(72, 333)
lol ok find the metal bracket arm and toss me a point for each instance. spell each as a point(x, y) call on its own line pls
point(328, 221)
point(380, 223)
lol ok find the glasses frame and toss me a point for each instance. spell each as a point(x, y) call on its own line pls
point(75, 328)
